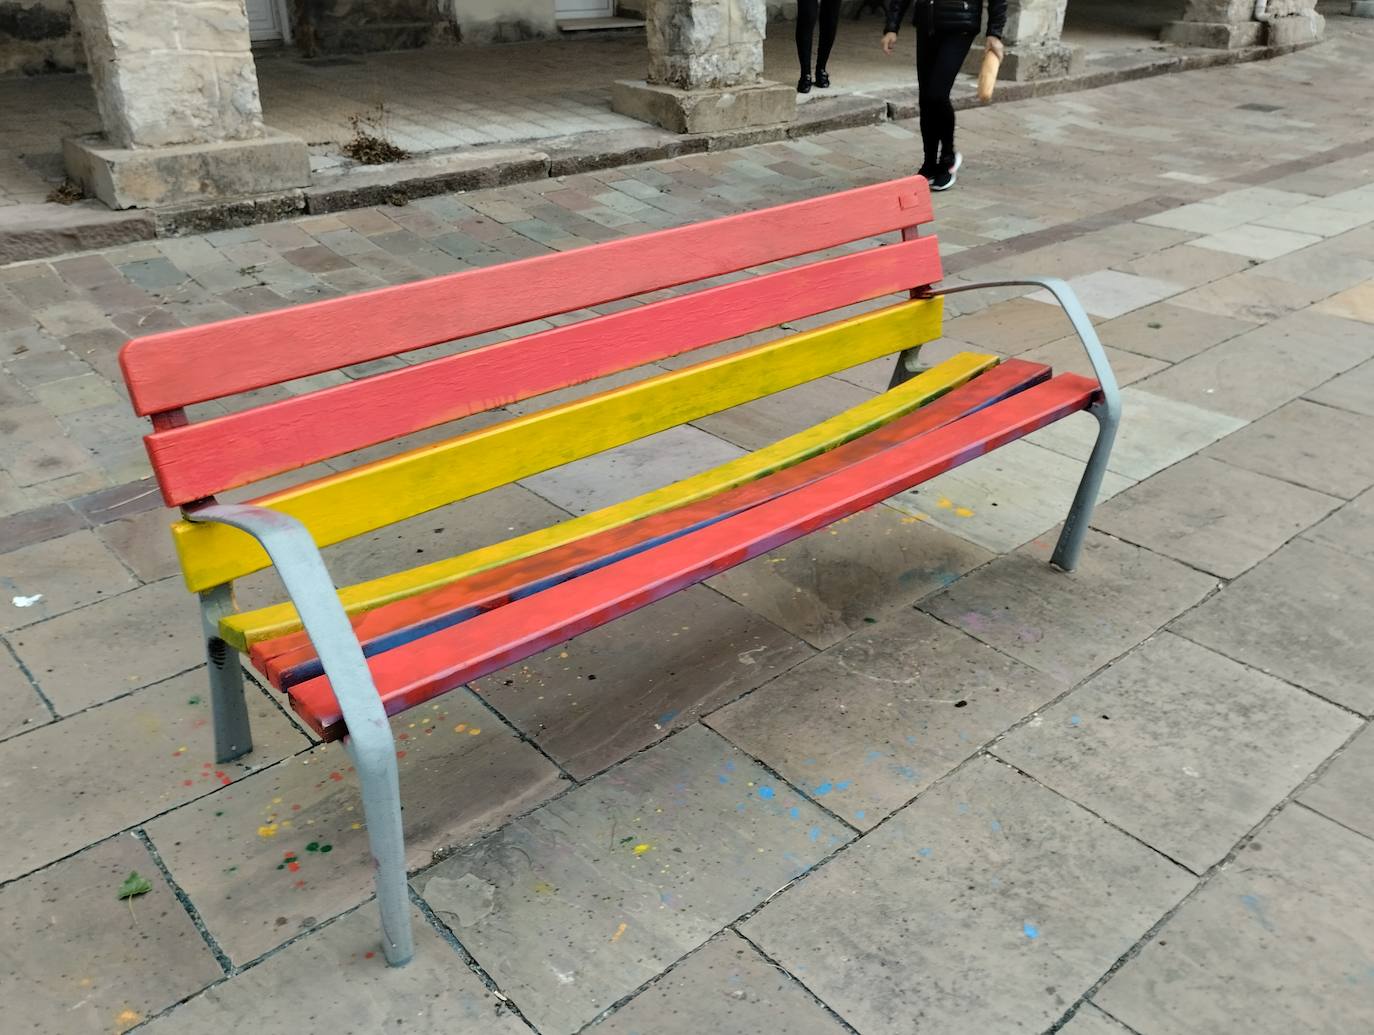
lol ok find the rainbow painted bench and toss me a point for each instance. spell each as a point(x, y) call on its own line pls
point(348, 658)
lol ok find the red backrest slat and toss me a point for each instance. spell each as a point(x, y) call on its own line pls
point(177, 368)
point(199, 460)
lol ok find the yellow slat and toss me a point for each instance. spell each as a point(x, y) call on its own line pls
point(243, 630)
point(354, 502)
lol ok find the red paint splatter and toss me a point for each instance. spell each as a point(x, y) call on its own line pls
point(403, 736)
point(295, 808)
point(299, 884)
point(206, 765)
point(187, 783)
point(336, 775)
point(293, 866)
point(400, 754)
point(368, 955)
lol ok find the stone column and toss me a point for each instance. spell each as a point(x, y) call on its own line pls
point(1230, 24)
point(705, 69)
point(1034, 47)
point(178, 96)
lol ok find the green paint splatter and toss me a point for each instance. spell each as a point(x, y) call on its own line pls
point(193, 700)
point(1155, 326)
point(326, 848)
point(626, 840)
point(220, 812)
point(313, 846)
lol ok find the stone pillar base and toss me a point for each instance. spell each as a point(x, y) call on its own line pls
point(1215, 35)
point(705, 111)
point(1307, 27)
point(1040, 60)
point(150, 177)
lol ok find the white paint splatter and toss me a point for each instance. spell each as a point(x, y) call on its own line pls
point(746, 658)
point(26, 601)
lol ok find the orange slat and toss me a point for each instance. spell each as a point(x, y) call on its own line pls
point(199, 460)
point(174, 369)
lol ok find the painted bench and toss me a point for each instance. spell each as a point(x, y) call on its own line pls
point(347, 658)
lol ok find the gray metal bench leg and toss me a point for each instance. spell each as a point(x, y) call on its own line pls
point(908, 366)
point(233, 732)
point(1070, 545)
point(371, 744)
point(381, 787)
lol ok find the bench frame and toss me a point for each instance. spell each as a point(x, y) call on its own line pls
point(296, 557)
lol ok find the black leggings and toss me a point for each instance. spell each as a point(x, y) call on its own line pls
point(808, 12)
point(939, 56)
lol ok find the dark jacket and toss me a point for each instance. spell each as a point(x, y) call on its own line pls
point(949, 15)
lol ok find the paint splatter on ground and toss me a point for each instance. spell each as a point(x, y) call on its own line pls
point(766, 793)
point(1030, 930)
point(640, 849)
point(618, 932)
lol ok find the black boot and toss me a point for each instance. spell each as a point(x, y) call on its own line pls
point(822, 79)
point(804, 83)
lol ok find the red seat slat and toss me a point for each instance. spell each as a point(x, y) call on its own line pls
point(177, 368)
point(417, 671)
point(199, 460)
point(289, 659)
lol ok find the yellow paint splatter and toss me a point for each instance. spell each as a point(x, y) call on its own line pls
point(619, 931)
point(128, 1019)
point(267, 830)
point(543, 888)
point(460, 727)
point(474, 731)
point(640, 849)
point(355, 826)
point(943, 503)
point(963, 512)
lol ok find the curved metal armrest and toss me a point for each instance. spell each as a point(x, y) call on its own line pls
point(1083, 327)
point(298, 561)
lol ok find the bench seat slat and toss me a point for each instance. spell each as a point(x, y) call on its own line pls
point(198, 460)
point(245, 629)
point(177, 368)
point(359, 500)
point(418, 671)
point(291, 659)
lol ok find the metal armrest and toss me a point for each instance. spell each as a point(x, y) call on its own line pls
point(298, 561)
point(1082, 325)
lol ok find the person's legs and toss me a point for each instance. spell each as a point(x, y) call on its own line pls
point(807, 11)
point(950, 52)
point(830, 27)
point(927, 47)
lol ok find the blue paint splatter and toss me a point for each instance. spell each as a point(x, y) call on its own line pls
point(1074, 720)
point(1256, 908)
point(962, 808)
point(814, 833)
point(872, 755)
point(843, 785)
point(668, 717)
point(996, 827)
point(823, 789)
point(905, 772)
point(924, 853)
point(860, 814)
point(766, 793)
point(794, 812)
point(729, 765)
point(1031, 931)
point(723, 778)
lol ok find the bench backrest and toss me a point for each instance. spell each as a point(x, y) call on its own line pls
point(168, 372)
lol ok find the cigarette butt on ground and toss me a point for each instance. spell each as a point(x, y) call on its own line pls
point(987, 78)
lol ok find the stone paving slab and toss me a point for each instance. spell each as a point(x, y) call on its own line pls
point(1353, 390)
point(1303, 615)
point(866, 726)
point(49, 578)
point(1089, 1020)
point(1187, 512)
point(1069, 625)
point(112, 767)
point(1004, 499)
point(582, 901)
point(765, 421)
point(1307, 444)
point(336, 980)
point(1342, 792)
point(596, 700)
point(1181, 747)
point(21, 707)
point(229, 851)
point(1187, 265)
point(1279, 942)
point(1011, 327)
point(1155, 433)
point(1108, 294)
point(1254, 373)
point(75, 958)
point(1351, 528)
point(988, 905)
point(826, 585)
point(98, 652)
point(726, 988)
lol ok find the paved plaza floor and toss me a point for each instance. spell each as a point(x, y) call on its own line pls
point(900, 777)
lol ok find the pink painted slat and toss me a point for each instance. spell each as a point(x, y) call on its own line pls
point(416, 672)
point(277, 658)
point(199, 460)
point(196, 364)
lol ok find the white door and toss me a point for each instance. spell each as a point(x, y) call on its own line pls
point(264, 22)
point(571, 10)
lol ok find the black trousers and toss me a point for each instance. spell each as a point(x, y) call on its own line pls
point(939, 56)
point(808, 13)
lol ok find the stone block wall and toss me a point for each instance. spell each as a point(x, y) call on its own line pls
point(38, 36)
point(705, 44)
